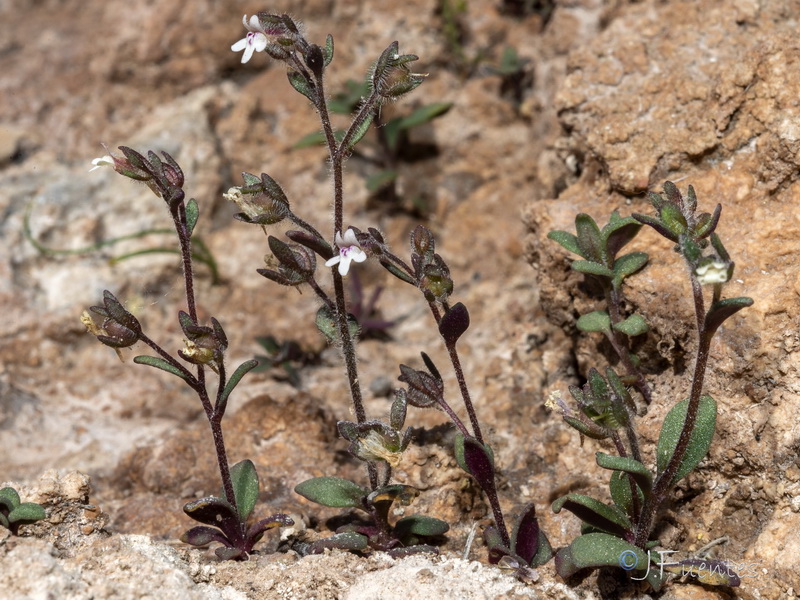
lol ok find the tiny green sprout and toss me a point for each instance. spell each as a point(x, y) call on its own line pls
point(14, 513)
point(619, 534)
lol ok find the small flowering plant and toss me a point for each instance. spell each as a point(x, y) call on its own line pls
point(379, 444)
point(224, 517)
point(620, 534)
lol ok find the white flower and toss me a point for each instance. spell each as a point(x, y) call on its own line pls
point(712, 272)
point(254, 41)
point(103, 161)
point(349, 250)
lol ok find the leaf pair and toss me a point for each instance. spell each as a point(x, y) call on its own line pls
point(599, 248)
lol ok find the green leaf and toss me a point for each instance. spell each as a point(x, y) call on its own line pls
point(332, 491)
point(397, 414)
point(621, 493)
point(349, 540)
point(303, 85)
point(398, 272)
point(700, 439)
point(592, 268)
point(315, 138)
point(722, 310)
point(420, 525)
point(627, 265)
point(245, 487)
point(192, 214)
point(672, 218)
point(327, 324)
point(589, 238)
point(595, 513)
point(381, 179)
point(9, 497)
point(640, 473)
point(234, 380)
point(595, 321)
point(567, 240)
point(595, 550)
point(360, 131)
point(160, 363)
point(25, 513)
point(589, 430)
point(632, 326)
point(617, 233)
point(328, 50)
point(425, 114)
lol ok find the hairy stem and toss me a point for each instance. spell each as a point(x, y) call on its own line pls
point(664, 481)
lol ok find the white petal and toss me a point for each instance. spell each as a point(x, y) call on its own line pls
point(344, 265)
point(244, 20)
point(332, 261)
point(259, 42)
point(357, 254)
point(103, 161)
point(255, 24)
point(350, 238)
point(240, 45)
point(248, 52)
point(337, 239)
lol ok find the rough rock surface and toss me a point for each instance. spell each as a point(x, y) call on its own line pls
point(615, 98)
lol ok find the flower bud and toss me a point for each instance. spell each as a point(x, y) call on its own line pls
point(262, 201)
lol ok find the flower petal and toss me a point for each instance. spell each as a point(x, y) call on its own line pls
point(255, 24)
point(350, 238)
point(240, 45)
point(248, 52)
point(332, 261)
point(344, 265)
point(357, 254)
point(259, 42)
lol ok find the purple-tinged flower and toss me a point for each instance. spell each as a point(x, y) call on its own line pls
point(349, 251)
point(254, 41)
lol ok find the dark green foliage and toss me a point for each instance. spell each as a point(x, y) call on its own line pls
point(14, 513)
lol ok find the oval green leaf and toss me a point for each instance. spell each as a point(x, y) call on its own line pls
point(699, 441)
point(245, 487)
point(594, 321)
point(632, 326)
point(595, 513)
point(332, 491)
